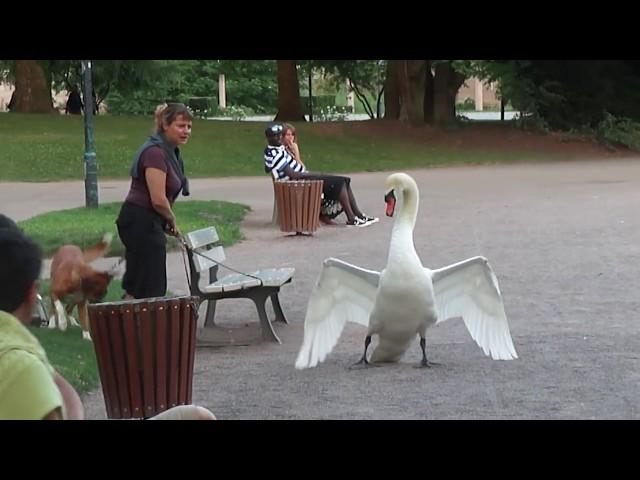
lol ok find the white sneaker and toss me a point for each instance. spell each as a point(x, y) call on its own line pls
point(357, 222)
point(368, 220)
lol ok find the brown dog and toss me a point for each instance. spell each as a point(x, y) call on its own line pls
point(75, 283)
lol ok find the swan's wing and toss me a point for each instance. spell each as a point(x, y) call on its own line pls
point(469, 289)
point(343, 292)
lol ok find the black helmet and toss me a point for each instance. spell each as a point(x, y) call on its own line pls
point(273, 130)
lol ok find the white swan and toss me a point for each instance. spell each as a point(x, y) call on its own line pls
point(405, 299)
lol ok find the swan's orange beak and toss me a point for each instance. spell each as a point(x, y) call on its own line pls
point(390, 200)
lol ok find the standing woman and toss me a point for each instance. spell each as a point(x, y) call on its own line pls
point(157, 178)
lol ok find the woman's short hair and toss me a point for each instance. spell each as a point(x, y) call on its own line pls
point(167, 113)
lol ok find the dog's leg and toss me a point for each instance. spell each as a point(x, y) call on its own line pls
point(69, 310)
point(83, 314)
point(60, 315)
point(53, 318)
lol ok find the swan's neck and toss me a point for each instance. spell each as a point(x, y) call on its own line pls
point(402, 248)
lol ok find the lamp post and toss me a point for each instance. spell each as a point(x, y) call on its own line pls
point(310, 96)
point(90, 161)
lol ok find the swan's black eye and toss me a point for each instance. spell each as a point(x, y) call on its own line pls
point(389, 196)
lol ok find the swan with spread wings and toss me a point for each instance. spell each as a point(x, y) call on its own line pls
point(405, 299)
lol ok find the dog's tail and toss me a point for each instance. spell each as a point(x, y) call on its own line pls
point(99, 250)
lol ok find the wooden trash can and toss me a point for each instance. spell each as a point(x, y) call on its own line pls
point(298, 205)
point(145, 350)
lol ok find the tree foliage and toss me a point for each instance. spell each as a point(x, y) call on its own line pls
point(125, 76)
point(568, 94)
point(363, 76)
point(248, 83)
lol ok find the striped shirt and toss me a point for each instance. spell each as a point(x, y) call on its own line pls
point(277, 159)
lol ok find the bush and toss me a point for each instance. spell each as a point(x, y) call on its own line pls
point(202, 106)
point(331, 114)
point(467, 105)
point(614, 131)
point(138, 103)
point(236, 112)
point(319, 102)
point(532, 122)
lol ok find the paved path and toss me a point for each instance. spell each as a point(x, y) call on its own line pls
point(563, 238)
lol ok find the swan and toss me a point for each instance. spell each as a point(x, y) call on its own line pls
point(406, 298)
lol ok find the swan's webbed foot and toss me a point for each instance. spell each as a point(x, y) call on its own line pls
point(425, 363)
point(363, 363)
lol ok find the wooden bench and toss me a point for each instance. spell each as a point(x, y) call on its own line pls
point(204, 254)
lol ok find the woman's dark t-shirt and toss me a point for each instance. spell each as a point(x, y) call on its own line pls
point(152, 157)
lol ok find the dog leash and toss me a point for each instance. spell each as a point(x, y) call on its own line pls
point(185, 248)
point(118, 263)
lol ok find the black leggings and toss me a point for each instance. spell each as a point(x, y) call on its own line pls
point(142, 233)
point(332, 186)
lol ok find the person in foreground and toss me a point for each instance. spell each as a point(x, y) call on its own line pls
point(30, 388)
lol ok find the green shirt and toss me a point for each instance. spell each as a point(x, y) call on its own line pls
point(27, 387)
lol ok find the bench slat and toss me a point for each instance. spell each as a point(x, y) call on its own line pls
point(270, 277)
point(202, 237)
point(274, 277)
point(202, 263)
point(232, 283)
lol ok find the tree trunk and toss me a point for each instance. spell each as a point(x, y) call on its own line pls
point(402, 76)
point(289, 106)
point(33, 88)
point(428, 93)
point(391, 94)
point(416, 70)
point(411, 79)
point(446, 84)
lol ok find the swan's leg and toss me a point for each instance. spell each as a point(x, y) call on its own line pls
point(363, 362)
point(425, 363)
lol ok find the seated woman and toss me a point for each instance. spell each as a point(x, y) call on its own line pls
point(283, 166)
point(329, 209)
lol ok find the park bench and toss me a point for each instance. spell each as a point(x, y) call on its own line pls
point(205, 255)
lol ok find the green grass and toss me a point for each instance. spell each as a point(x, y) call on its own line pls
point(40, 147)
point(69, 354)
point(84, 227)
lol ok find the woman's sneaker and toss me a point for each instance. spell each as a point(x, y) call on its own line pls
point(362, 222)
point(356, 222)
point(369, 220)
